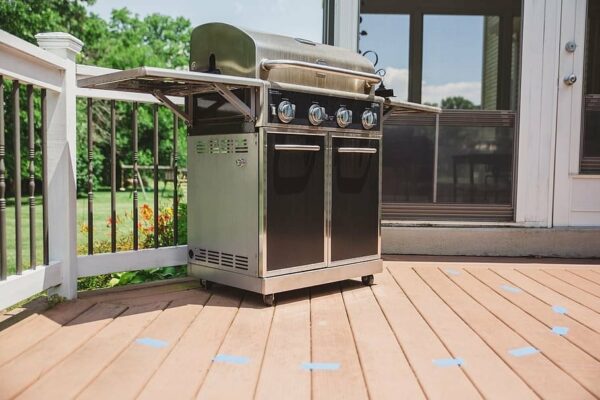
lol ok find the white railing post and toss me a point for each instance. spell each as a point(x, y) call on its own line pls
point(62, 184)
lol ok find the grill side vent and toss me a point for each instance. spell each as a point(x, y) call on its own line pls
point(222, 146)
point(222, 259)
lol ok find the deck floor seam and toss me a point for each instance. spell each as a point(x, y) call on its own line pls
point(542, 353)
point(542, 300)
point(360, 361)
point(474, 330)
point(572, 284)
point(549, 326)
point(174, 345)
point(477, 388)
point(559, 291)
point(237, 311)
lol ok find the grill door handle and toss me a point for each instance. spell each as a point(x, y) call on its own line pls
point(297, 147)
point(357, 150)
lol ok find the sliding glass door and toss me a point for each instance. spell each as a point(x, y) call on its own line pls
point(464, 58)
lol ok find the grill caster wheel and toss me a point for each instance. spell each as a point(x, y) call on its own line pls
point(269, 299)
point(206, 284)
point(367, 280)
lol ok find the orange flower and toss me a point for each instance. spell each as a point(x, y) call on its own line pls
point(146, 212)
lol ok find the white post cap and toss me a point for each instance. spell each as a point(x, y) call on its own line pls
point(60, 43)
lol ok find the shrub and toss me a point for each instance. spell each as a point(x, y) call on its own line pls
point(146, 241)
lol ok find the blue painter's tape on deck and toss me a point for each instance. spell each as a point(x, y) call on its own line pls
point(523, 351)
point(320, 366)
point(560, 330)
point(157, 344)
point(448, 362)
point(511, 289)
point(559, 309)
point(226, 358)
point(452, 271)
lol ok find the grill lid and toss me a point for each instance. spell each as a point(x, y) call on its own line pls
point(229, 50)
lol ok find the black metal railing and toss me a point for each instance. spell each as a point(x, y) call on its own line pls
point(36, 145)
point(135, 170)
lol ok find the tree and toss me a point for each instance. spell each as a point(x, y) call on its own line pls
point(458, 103)
point(126, 41)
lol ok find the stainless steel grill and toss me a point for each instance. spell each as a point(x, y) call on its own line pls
point(284, 157)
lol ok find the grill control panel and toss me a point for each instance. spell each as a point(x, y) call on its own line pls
point(310, 109)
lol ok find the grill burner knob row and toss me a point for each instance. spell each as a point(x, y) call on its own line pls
point(286, 111)
point(369, 119)
point(317, 114)
point(343, 117)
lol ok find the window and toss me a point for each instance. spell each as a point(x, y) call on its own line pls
point(590, 160)
point(391, 54)
point(465, 58)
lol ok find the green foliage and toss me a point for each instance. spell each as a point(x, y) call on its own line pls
point(126, 41)
point(147, 275)
point(146, 240)
point(458, 103)
point(27, 18)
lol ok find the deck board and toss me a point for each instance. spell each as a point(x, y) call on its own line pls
point(576, 281)
point(571, 359)
point(289, 341)
point(73, 374)
point(399, 338)
point(587, 274)
point(384, 365)
point(420, 344)
point(578, 334)
point(558, 285)
point(493, 378)
point(333, 343)
point(582, 314)
point(18, 374)
point(184, 370)
point(138, 361)
point(534, 370)
point(244, 345)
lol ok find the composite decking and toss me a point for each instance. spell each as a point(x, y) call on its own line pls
point(443, 329)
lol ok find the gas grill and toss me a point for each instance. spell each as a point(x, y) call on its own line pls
point(284, 157)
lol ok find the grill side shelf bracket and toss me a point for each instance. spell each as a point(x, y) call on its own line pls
point(172, 106)
point(224, 91)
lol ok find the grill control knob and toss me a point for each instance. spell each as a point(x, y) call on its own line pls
point(369, 119)
point(317, 114)
point(286, 111)
point(343, 117)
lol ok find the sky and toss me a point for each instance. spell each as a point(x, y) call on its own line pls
point(287, 17)
point(452, 48)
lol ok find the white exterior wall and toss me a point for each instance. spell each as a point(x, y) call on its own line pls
point(550, 192)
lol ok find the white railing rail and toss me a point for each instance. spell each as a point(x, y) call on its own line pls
point(52, 67)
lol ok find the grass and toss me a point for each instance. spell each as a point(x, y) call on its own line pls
point(101, 210)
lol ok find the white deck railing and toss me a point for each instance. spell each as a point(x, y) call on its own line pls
point(52, 67)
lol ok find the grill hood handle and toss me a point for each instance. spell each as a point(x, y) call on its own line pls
point(370, 79)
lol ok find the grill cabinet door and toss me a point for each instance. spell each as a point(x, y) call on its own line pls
point(354, 198)
point(295, 201)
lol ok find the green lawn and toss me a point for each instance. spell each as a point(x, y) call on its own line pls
point(101, 217)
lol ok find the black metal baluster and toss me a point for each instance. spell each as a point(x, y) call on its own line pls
point(155, 155)
point(135, 176)
point(175, 173)
point(113, 177)
point(31, 132)
point(17, 149)
point(45, 176)
point(3, 239)
point(90, 182)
